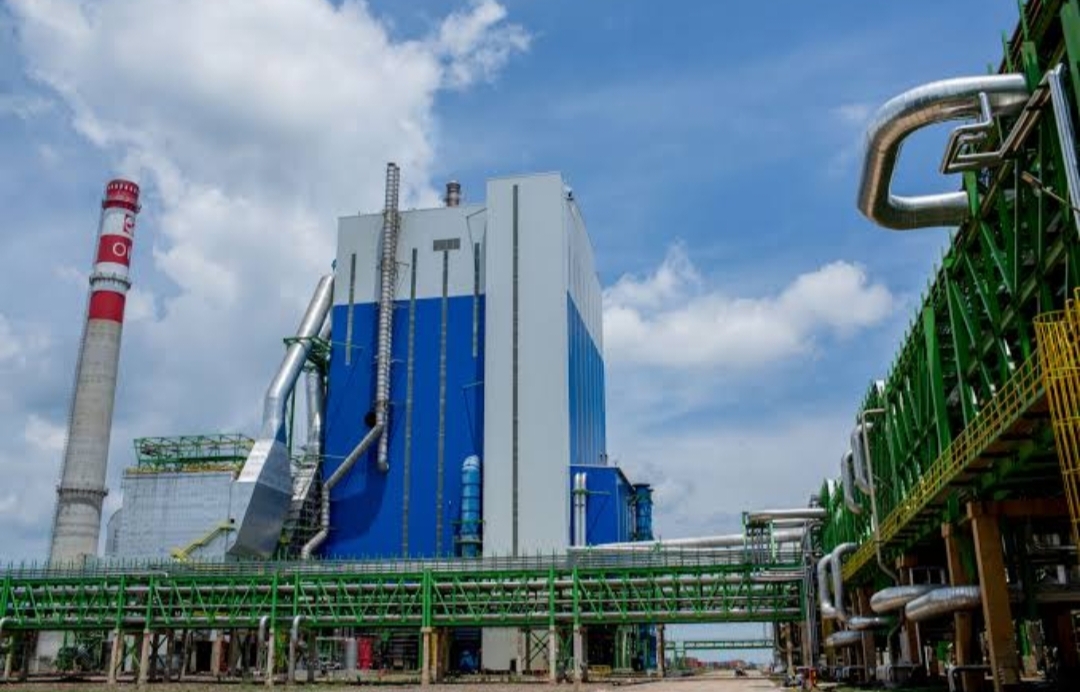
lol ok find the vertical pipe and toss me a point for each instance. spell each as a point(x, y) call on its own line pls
point(410, 373)
point(440, 446)
point(1063, 119)
point(77, 521)
point(388, 285)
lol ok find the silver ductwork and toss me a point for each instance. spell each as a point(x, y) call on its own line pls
point(316, 403)
point(847, 477)
point(860, 466)
point(828, 611)
point(861, 623)
point(840, 640)
point(581, 512)
point(896, 597)
point(262, 492)
point(796, 514)
point(387, 288)
point(943, 601)
point(835, 566)
point(937, 102)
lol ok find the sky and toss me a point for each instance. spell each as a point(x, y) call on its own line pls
point(714, 148)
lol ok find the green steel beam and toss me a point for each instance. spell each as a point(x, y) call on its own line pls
point(721, 644)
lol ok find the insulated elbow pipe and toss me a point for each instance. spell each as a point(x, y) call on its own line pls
point(937, 102)
point(828, 612)
point(263, 622)
point(943, 601)
point(896, 597)
point(835, 566)
point(839, 640)
point(847, 465)
point(861, 623)
point(861, 470)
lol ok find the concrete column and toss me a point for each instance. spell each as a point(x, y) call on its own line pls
point(965, 644)
point(579, 655)
point(661, 651)
point(145, 644)
point(170, 651)
point(910, 648)
point(232, 654)
point(155, 653)
point(187, 639)
point(9, 658)
point(1004, 660)
point(553, 655)
point(425, 656)
point(291, 665)
point(271, 640)
point(116, 655)
point(215, 653)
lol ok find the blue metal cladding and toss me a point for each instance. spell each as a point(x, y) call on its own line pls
point(588, 418)
point(367, 509)
point(608, 513)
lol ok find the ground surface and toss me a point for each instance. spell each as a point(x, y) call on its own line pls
point(718, 682)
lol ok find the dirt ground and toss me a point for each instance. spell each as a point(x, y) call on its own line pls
point(716, 682)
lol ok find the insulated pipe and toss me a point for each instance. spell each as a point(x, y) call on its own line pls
point(733, 540)
point(1063, 118)
point(3, 621)
point(861, 623)
point(896, 597)
point(937, 102)
point(835, 560)
point(294, 642)
point(316, 400)
point(277, 395)
point(828, 611)
point(847, 463)
point(839, 640)
point(324, 505)
point(798, 513)
point(860, 467)
point(388, 285)
point(263, 622)
point(943, 601)
point(868, 462)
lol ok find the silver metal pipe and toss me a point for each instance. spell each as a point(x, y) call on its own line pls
point(896, 597)
point(733, 540)
point(263, 622)
point(861, 470)
point(294, 644)
point(387, 288)
point(937, 102)
point(861, 623)
point(1063, 118)
point(835, 564)
point(868, 461)
point(281, 386)
point(839, 640)
point(847, 464)
point(943, 601)
point(828, 611)
point(324, 505)
point(316, 402)
point(800, 513)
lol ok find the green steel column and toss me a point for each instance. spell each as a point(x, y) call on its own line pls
point(936, 379)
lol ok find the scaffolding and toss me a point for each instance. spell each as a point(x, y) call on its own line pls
point(191, 453)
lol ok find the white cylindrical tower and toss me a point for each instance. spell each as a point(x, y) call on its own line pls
point(82, 480)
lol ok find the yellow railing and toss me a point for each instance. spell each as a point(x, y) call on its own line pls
point(1059, 346)
point(182, 554)
point(1015, 397)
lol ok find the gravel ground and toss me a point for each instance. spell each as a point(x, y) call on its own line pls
point(717, 682)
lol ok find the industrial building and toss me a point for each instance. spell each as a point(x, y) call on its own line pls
point(453, 373)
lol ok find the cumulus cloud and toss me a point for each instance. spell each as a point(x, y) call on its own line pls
point(671, 319)
point(24, 106)
point(251, 127)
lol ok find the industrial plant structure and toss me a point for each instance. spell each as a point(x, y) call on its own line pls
point(449, 503)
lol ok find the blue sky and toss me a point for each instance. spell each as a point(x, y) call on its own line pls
point(714, 149)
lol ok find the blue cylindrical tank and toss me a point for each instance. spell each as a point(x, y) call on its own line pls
point(643, 512)
point(469, 536)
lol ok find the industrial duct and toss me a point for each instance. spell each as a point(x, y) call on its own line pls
point(797, 514)
point(263, 491)
point(734, 540)
point(835, 565)
point(847, 477)
point(896, 597)
point(943, 601)
point(860, 460)
point(316, 402)
point(846, 638)
point(937, 102)
point(828, 611)
point(861, 623)
point(580, 504)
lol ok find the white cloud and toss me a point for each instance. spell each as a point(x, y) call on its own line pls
point(44, 435)
point(251, 127)
point(24, 106)
point(854, 114)
point(9, 345)
point(670, 319)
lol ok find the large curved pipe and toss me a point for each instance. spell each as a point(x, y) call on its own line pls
point(943, 601)
point(896, 597)
point(798, 513)
point(828, 611)
point(847, 473)
point(835, 566)
point(937, 102)
point(277, 394)
point(294, 644)
point(839, 640)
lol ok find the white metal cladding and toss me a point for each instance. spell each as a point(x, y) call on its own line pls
point(542, 496)
point(420, 229)
point(581, 270)
point(163, 511)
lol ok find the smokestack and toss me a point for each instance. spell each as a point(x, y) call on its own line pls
point(82, 479)
point(453, 194)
